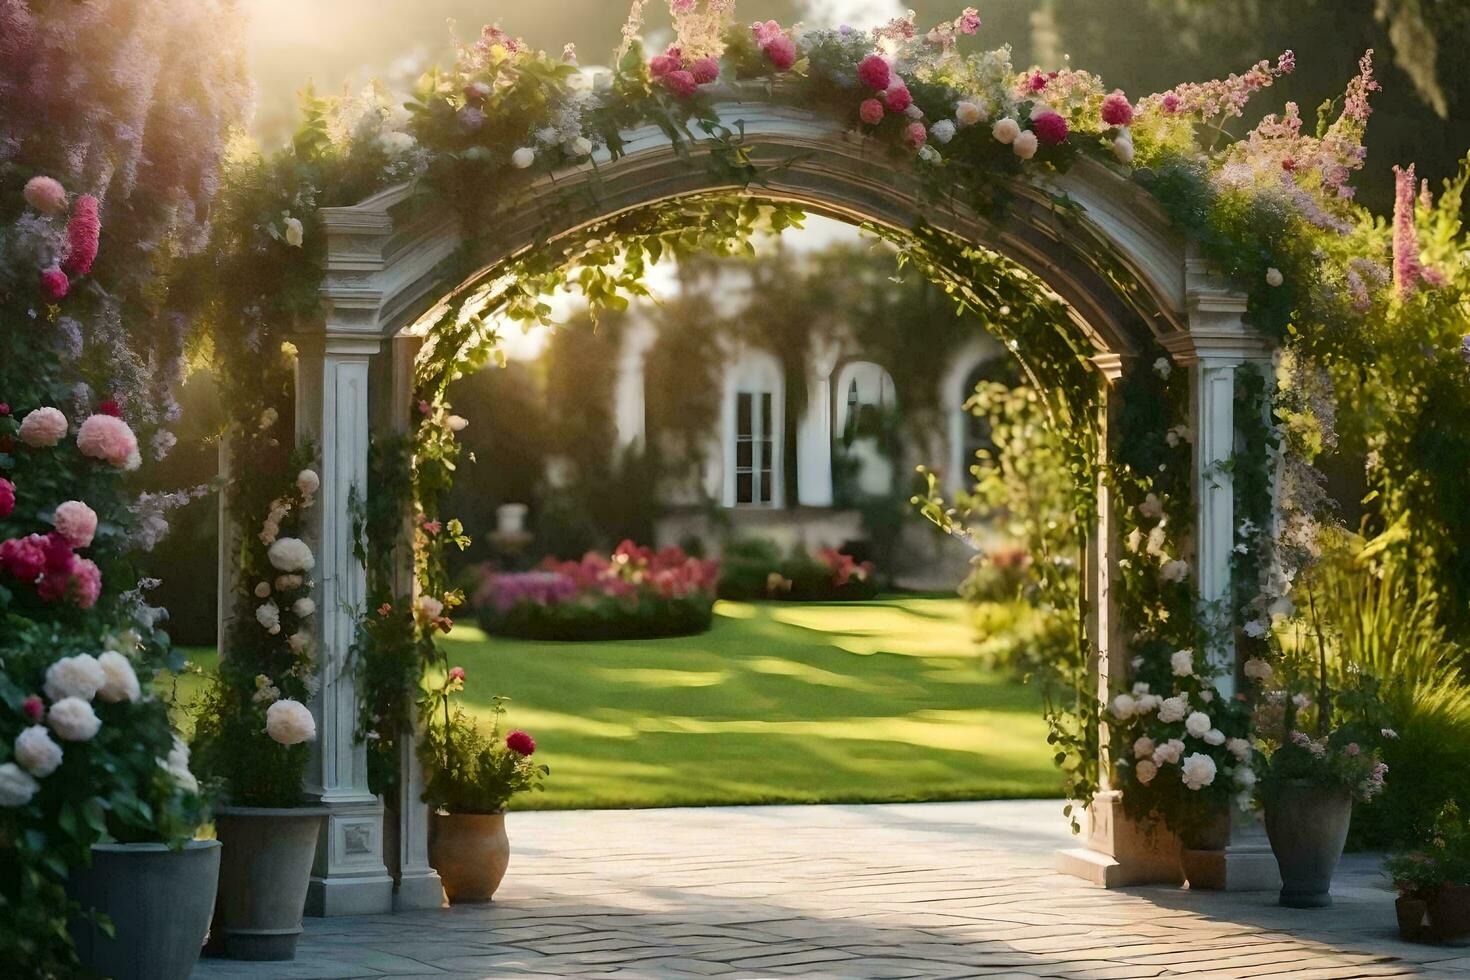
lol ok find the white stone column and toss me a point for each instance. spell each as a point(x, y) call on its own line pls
point(1218, 345)
point(418, 885)
point(227, 561)
point(1117, 851)
point(349, 877)
point(814, 433)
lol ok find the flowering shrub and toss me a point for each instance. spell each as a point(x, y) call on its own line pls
point(467, 771)
point(754, 568)
point(1442, 859)
point(637, 592)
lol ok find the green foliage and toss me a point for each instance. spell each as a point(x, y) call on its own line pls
point(467, 771)
point(602, 618)
point(1440, 858)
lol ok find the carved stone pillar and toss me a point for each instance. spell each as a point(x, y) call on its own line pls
point(349, 877)
point(1118, 850)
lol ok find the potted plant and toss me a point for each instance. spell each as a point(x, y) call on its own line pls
point(470, 777)
point(1433, 882)
point(252, 730)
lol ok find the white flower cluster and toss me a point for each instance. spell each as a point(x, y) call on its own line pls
point(289, 722)
point(177, 766)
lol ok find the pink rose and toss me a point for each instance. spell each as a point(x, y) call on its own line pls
point(915, 135)
point(23, 559)
point(1116, 109)
point(45, 194)
point(109, 439)
point(456, 674)
point(871, 111)
point(681, 83)
point(765, 32)
point(873, 71)
point(82, 235)
point(86, 583)
point(7, 497)
point(76, 522)
point(662, 65)
point(781, 52)
point(897, 97)
point(705, 70)
point(520, 743)
point(43, 428)
point(33, 708)
point(1049, 127)
point(54, 284)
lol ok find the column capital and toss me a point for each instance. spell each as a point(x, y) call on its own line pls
point(1110, 364)
point(1218, 344)
point(322, 342)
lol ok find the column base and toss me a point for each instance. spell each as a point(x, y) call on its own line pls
point(349, 877)
point(1247, 863)
point(1121, 851)
point(421, 891)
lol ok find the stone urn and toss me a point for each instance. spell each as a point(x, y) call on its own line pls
point(470, 851)
point(1308, 826)
point(264, 873)
point(1441, 916)
point(158, 900)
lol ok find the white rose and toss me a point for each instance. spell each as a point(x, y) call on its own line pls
point(1149, 702)
point(1198, 771)
point(1123, 148)
point(16, 785)
point(1239, 747)
point(1169, 752)
point(122, 681)
point(73, 720)
point(1214, 737)
point(1197, 724)
point(74, 677)
point(1274, 277)
point(295, 234)
point(1140, 689)
point(303, 607)
point(942, 131)
point(1024, 145)
point(523, 158)
point(291, 555)
point(1006, 130)
point(1182, 661)
point(1174, 571)
point(1124, 707)
point(289, 722)
point(457, 423)
point(1143, 748)
point(1146, 771)
point(269, 616)
point(1174, 709)
point(1245, 776)
point(35, 750)
point(1207, 695)
point(308, 482)
point(969, 113)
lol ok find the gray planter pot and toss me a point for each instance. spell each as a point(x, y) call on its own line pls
point(159, 902)
point(264, 873)
point(1308, 826)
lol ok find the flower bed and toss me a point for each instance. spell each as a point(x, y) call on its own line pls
point(754, 569)
point(636, 594)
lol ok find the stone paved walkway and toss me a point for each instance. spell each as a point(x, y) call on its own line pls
point(927, 890)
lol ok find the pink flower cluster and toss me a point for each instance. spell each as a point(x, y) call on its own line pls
point(630, 572)
point(48, 563)
point(1222, 97)
point(779, 48)
point(1409, 273)
point(844, 567)
point(46, 196)
point(681, 75)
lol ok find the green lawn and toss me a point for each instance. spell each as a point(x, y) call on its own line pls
point(877, 701)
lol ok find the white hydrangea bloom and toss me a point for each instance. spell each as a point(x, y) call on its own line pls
point(36, 752)
point(291, 555)
point(16, 785)
point(122, 680)
point(74, 677)
point(942, 131)
point(289, 722)
point(73, 720)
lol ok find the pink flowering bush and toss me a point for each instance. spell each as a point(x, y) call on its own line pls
point(637, 591)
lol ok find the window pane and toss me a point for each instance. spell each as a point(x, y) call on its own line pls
point(743, 425)
point(744, 488)
point(765, 422)
point(744, 454)
point(765, 486)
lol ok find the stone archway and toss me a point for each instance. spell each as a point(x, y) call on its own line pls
point(1128, 279)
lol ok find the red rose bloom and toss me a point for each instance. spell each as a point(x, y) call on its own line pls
point(33, 708)
point(873, 71)
point(520, 743)
point(110, 407)
point(1049, 127)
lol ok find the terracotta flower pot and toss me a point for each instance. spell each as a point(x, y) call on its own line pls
point(264, 874)
point(158, 901)
point(1442, 917)
point(1308, 826)
point(470, 851)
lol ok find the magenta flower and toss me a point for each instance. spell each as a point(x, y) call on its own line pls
point(781, 52)
point(82, 235)
point(681, 83)
point(873, 71)
point(456, 674)
point(915, 135)
point(7, 497)
point(1049, 127)
point(897, 97)
point(1116, 109)
point(520, 743)
point(33, 708)
point(705, 70)
point(660, 66)
point(54, 284)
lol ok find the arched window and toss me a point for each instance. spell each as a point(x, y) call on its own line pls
point(754, 400)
